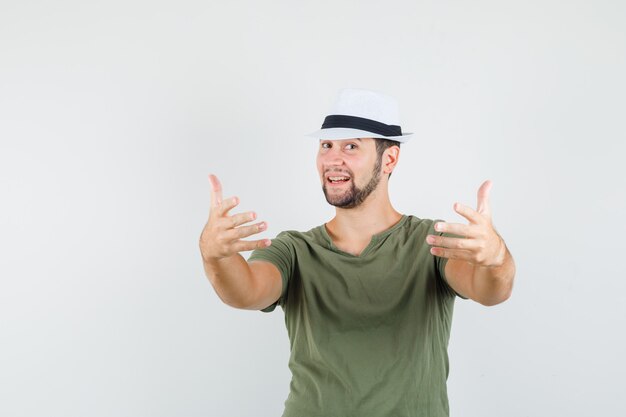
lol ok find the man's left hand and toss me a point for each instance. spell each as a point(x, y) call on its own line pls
point(481, 244)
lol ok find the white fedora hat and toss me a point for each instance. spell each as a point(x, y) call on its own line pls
point(359, 113)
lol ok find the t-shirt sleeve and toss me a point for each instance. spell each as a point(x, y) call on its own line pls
point(441, 261)
point(281, 254)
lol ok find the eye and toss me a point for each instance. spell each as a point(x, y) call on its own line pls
point(351, 146)
point(325, 145)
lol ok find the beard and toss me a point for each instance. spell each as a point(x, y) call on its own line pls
point(354, 196)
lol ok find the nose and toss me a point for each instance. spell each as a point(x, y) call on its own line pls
point(333, 156)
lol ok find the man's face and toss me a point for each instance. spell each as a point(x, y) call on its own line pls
point(349, 170)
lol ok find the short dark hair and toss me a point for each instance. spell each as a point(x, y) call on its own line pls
point(381, 145)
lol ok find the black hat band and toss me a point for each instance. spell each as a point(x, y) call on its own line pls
point(361, 123)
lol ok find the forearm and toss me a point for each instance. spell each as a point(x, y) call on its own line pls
point(494, 284)
point(231, 278)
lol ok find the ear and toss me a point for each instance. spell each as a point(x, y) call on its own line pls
point(390, 159)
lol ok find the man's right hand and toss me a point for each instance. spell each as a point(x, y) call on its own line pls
point(221, 236)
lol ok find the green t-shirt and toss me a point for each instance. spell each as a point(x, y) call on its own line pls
point(369, 333)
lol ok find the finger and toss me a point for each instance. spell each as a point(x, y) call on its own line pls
point(245, 245)
point(464, 230)
point(469, 213)
point(228, 205)
point(241, 218)
point(451, 242)
point(216, 191)
point(483, 205)
point(451, 253)
point(245, 231)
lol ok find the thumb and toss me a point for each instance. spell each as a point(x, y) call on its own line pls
point(484, 206)
point(216, 191)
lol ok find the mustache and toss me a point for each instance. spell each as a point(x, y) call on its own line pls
point(338, 172)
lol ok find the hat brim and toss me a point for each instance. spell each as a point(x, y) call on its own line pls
point(338, 133)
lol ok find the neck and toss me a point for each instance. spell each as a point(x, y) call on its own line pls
point(373, 216)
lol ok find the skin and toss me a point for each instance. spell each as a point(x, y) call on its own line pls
point(239, 284)
point(352, 228)
point(479, 265)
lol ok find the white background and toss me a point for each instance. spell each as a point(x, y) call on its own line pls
point(112, 114)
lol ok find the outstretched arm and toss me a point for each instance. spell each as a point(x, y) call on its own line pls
point(237, 283)
point(479, 265)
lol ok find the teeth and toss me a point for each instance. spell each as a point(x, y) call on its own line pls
point(338, 178)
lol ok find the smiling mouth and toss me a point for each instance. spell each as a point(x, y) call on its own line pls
point(338, 179)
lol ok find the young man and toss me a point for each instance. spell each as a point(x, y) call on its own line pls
point(368, 297)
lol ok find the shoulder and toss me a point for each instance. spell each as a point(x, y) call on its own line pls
point(416, 224)
point(295, 237)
